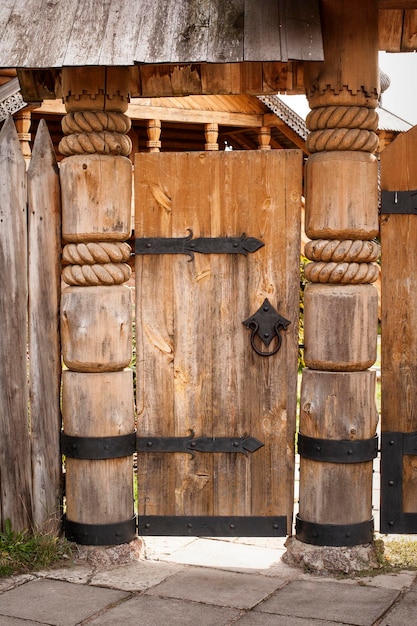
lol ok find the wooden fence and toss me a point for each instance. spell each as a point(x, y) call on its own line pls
point(30, 355)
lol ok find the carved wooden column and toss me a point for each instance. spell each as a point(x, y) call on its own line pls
point(338, 414)
point(96, 310)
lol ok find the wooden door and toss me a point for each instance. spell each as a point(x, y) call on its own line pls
point(399, 336)
point(198, 375)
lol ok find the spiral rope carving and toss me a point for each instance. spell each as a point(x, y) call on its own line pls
point(94, 275)
point(95, 143)
point(341, 273)
point(348, 250)
point(342, 139)
point(342, 117)
point(97, 252)
point(95, 122)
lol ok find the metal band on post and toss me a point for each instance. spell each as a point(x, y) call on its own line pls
point(100, 534)
point(338, 451)
point(334, 535)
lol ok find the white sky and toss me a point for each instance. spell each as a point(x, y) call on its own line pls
point(401, 96)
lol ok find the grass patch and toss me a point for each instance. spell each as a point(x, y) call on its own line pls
point(23, 551)
point(399, 554)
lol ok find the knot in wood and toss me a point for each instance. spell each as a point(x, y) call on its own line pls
point(95, 275)
point(341, 273)
point(342, 117)
point(96, 143)
point(96, 252)
point(347, 250)
point(342, 139)
point(95, 122)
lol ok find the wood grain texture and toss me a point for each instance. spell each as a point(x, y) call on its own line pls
point(196, 368)
point(44, 204)
point(350, 71)
point(340, 323)
point(15, 472)
point(96, 328)
point(96, 198)
point(102, 32)
point(337, 406)
point(399, 305)
point(341, 195)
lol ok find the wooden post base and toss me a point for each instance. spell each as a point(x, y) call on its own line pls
point(337, 406)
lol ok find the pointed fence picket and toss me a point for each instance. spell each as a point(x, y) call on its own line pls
point(44, 252)
point(30, 365)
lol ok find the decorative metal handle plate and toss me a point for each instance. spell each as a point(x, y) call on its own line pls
point(267, 324)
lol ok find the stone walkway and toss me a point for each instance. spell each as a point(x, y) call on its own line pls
point(209, 582)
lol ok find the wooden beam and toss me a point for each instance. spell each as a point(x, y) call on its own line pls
point(276, 122)
point(397, 4)
point(138, 111)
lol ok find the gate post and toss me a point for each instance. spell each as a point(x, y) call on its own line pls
point(96, 310)
point(338, 416)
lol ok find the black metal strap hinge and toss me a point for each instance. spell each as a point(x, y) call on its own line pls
point(212, 526)
point(402, 202)
point(97, 448)
point(203, 245)
point(338, 451)
point(244, 445)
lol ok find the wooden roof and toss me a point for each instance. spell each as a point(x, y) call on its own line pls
point(63, 33)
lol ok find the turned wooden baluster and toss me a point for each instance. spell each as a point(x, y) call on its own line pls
point(96, 310)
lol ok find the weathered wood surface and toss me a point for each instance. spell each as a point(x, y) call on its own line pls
point(399, 306)
point(196, 368)
point(96, 328)
point(98, 405)
point(91, 209)
point(44, 223)
point(339, 327)
point(341, 195)
point(15, 468)
point(102, 32)
point(337, 405)
point(349, 70)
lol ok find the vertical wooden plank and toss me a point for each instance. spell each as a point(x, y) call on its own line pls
point(15, 473)
point(44, 224)
point(225, 41)
point(262, 30)
point(254, 394)
point(154, 332)
point(399, 306)
point(194, 326)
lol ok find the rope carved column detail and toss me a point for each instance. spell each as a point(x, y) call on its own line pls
point(337, 406)
point(96, 309)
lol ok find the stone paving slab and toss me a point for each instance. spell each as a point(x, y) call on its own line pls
point(227, 555)
point(229, 589)
point(263, 619)
point(404, 613)
point(15, 621)
point(347, 604)
point(55, 602)
point(136, 576)
point(151, 611)
point(157, 547)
